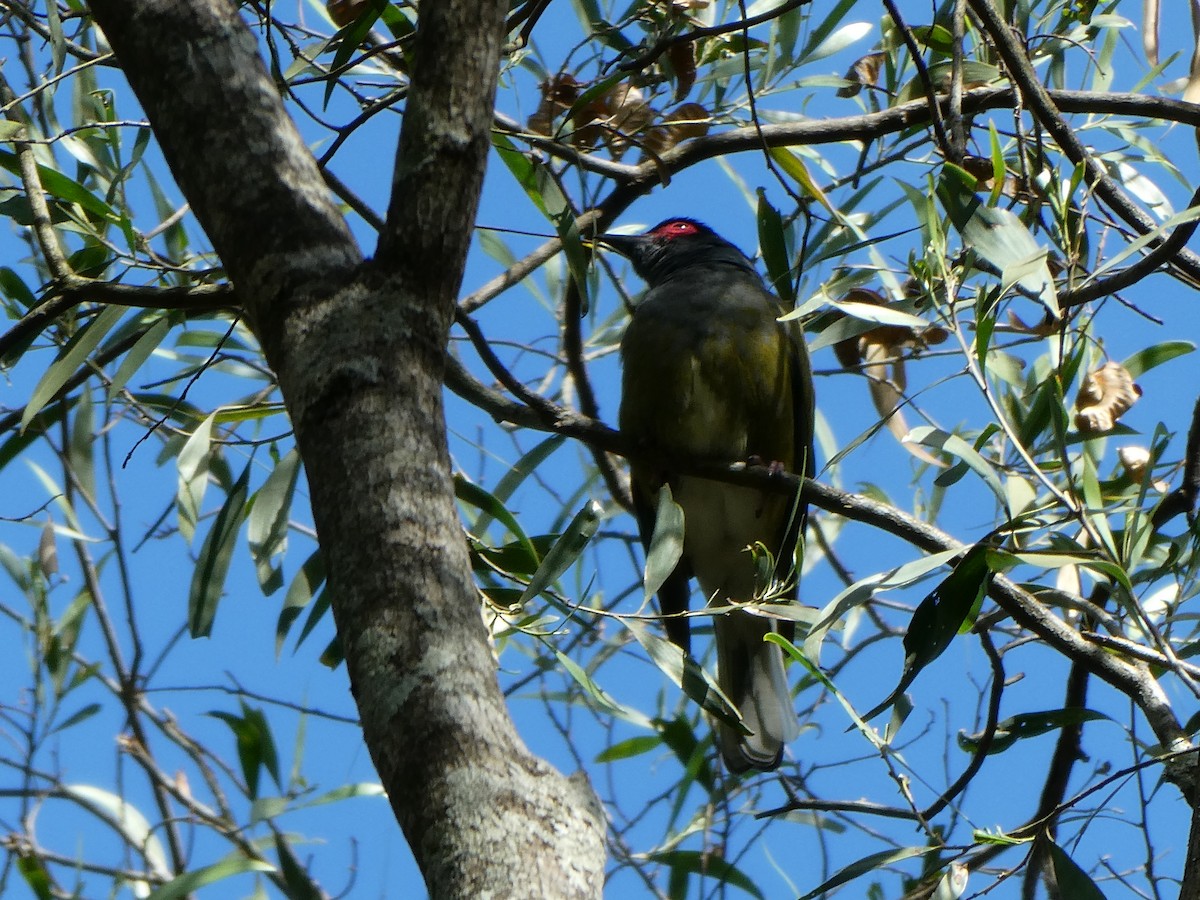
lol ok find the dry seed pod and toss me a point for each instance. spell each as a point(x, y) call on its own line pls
point(865, 71)
point(1105, 396)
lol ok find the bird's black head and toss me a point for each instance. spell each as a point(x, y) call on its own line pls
point(673, 245)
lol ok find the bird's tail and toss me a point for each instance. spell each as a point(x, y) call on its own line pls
point(750, 672)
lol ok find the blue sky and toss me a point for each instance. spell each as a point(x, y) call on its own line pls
point(359, 835)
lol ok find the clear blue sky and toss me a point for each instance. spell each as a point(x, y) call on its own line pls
point(360, 834)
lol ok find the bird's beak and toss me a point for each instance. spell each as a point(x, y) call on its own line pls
point(625, 244)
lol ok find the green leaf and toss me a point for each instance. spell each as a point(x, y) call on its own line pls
point(693, 862)
point(34, 871)
point(1145, 360)
point(75, 718)
point(1073, 882)
point(956, 446)
point(255, 745)
point(565, 550)
point(866, 865)
point(189, 882)
point(866, 589)
point(533, 178)
point(192, 465)
point(598, 694)
point(491, 506)
point(1027, 725)
point(208, 579)
point(516, 476)
point(73, 357)
point(634, 746)
point(666, 544)
point(352, 37)
point(686, 673)
point(267, 528)
point(299, 594)
point(299, 885)
point(773, 244)
point(941, 615)
point(793, 164)
point(997, 237)
point(59, 185)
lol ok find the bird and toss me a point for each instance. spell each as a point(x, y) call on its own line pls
point(709, 373)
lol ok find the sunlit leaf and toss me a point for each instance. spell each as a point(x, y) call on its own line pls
point(208, 579)
point(73, 357)
point(666, 545)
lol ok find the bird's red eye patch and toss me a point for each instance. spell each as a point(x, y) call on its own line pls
point(676, 228)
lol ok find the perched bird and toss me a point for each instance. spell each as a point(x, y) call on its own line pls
point(709, 373)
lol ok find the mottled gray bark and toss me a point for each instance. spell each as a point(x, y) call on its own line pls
point(358, 349)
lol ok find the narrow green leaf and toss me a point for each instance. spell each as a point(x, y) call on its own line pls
point(492, 507)
point(866, 865)
point(267, 527)
point(1072, 881)
point(956, 446)
point(565, 550)
point(793, 164)
point(208, 579)
point(34, 871)
point(773, 244)
point(352, 37)
point(940, 616)
point(686, 673)
point(78, 716)
point(299, 594)
point(997, 237)
point(1027, 725)
point(192, 465)
point(709, 865)
point(299, 885)
point(599, 695)
point(634, 746)
point(73, 356)
point(189, 882)
point(137, 355)
point(59, 185)
point(1150, 357)
point(666, 544)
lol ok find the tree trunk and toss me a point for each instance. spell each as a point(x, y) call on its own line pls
point(358, 349)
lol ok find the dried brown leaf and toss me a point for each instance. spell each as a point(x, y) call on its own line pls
point(627, 114)
point(865, 71)
point(683, 63)
point(1048, 326)
point(686, 121)
point(1106, 394)
point(343, 12)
